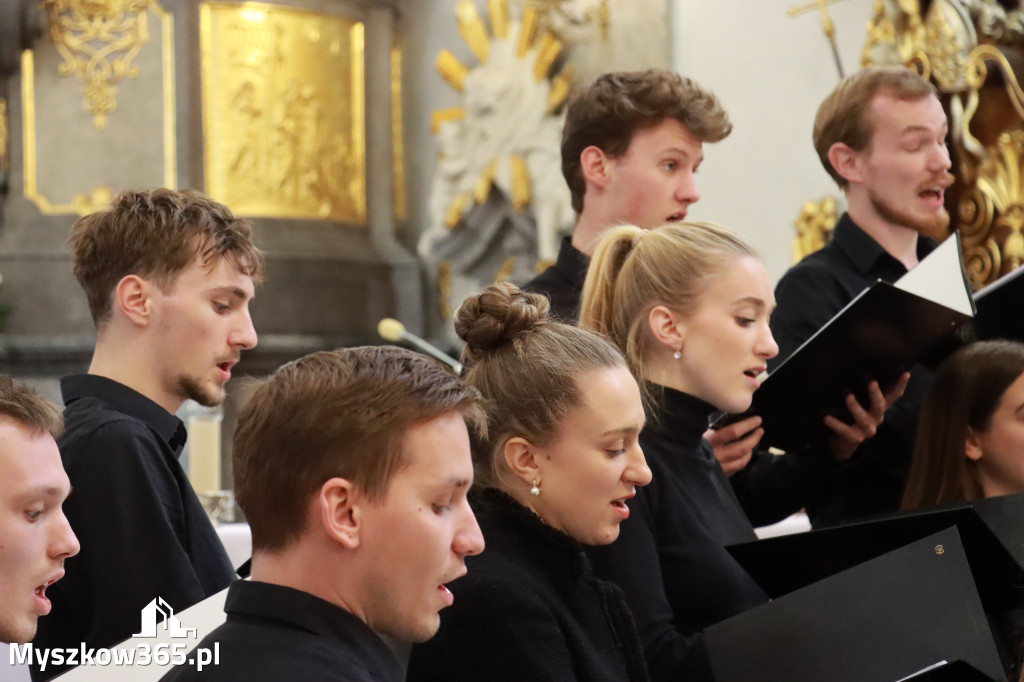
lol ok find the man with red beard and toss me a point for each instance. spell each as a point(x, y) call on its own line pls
point(169, 277)
point(881, 135)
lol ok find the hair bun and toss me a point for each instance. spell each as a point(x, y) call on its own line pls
point(497, 315)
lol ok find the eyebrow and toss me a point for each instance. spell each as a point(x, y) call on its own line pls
point(237, 292)
point(455, 482)
point(623, 430)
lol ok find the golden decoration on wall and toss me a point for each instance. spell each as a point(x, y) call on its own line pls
point(551, 10)
point(444, 288)
point(814, 227)
point(283, 111)
point(544, 49)
point(144, 153)
point(398, 140)
point(5, 137)
point(98, 42)
point(992, 213)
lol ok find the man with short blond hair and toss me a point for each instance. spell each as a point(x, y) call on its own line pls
point(169, 276)
point(352, 467)
point(881, 135)
point(35, 537)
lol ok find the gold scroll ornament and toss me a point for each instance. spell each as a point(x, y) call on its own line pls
point(98, 40)
point(283, 111)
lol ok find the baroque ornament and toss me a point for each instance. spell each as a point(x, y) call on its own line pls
point(499, 152)
point(99, 40)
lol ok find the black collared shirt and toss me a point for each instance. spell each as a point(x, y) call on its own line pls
point(275, 632)
point(562, 282)
point(808, 295)
point(143, 532)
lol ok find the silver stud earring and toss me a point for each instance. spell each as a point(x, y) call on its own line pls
point(678, 354)
point(535, 490)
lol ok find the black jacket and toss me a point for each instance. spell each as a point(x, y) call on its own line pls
point(529, 610)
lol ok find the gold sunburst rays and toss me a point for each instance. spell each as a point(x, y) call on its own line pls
point(532, 44)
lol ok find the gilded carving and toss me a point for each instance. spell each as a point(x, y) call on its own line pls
point(98, 40)
point(992, 212)
point(283, 111)
point(5, 137)
point(564, 18)
point(814, 225)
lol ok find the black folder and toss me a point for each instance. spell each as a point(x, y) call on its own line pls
point(884, 619)
point(944, 671)
point(880, 334)
point(1001, 308)
point(992, 534)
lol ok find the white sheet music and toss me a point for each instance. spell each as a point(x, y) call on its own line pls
point(940, 277)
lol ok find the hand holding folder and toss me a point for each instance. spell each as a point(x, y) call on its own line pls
point(878, 336)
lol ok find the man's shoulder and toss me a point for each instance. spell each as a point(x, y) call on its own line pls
point(263, 648)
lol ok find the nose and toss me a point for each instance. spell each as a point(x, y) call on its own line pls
point(686, 192)
point(244, 335)
point(638, 472)
point(468, 540)
point(65, 543)
point(941, 160)
point(766, 346)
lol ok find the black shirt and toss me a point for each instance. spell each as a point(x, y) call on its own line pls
point(143, 532)
point(529, 610)
point(808, 295)
point(670, 558)
point(562, 282)
point(273, 632)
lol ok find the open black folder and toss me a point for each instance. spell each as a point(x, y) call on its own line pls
point(992, 536)
point(883, 332)
point(1001, 308)
point(888, 618)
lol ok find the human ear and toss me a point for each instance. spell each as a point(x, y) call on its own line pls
point(521, 457)
point(972, 446)
point(339, 506)
point(667, 328)
point(594, 165)
point(845, 162)
point(133, 296)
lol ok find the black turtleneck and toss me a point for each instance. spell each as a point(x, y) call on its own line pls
point(530, 608)
point(670, 558)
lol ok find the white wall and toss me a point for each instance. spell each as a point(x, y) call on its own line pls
point(771, 73)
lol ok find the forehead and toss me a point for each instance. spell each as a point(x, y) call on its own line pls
point(609, 394)
point(435, 452)
point(27, 460)
point(743, 277)
point(219, 272)
point(669, 134)
point(891, 115)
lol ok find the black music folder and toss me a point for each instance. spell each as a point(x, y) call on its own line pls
point(885, 619)
point(883, 332)
point(991, 531)
point(1001, 308)
point(944, 671)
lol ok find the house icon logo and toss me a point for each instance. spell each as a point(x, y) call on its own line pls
point(150, 613)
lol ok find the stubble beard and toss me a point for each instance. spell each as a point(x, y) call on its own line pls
point(933, 226)
point(193, 389)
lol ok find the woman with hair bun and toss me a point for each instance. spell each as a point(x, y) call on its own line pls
point(560, 460)
point(688, 305)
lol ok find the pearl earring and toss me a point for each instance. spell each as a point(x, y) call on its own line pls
point(678, 354)
point(535, 490)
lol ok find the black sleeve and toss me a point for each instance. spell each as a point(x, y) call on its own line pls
point(772, 487)
point(806, 298)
